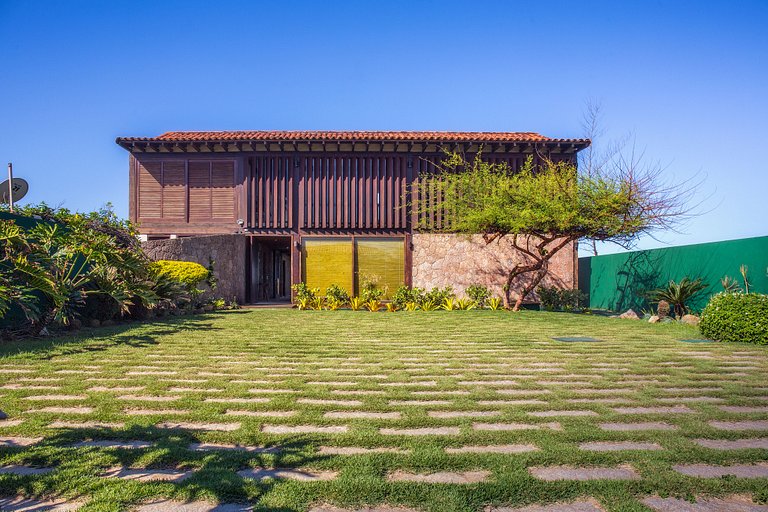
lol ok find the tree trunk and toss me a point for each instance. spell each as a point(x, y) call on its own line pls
point(532, 285)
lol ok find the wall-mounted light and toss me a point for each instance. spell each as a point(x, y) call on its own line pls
point(297, 162)
point(410, 162)
point(297, 244)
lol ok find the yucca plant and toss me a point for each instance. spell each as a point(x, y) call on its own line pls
point(373, 305)
point(411, 306)
point(494, 303)
point(429, 305)
point(678, 294)
point(730, 285)
point(392, 307)
point(356, 303)
point(465, 304)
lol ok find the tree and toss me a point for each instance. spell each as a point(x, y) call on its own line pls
point(544, 208)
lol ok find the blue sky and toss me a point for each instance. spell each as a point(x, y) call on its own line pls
point(689, 80)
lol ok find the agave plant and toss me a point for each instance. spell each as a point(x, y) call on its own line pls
point(465, 304)
point(392, 307)
point(678, 294)
point(304, 303)
point(373, 305)
point(494, 303)
point(356, 303)
point(450, 304)
point(411, 306)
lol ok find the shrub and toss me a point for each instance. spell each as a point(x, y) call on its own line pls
point(736, 317)
point(188, 273)
point(403, 295)
point(337, 293)
point(411, 306)
point(305, 292)
point(479, 294)
point(549, 298)
point(373, 305)
point(438, 295)
point(555, 299)
point(392, 307)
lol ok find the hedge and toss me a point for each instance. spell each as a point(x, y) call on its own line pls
point(736, 317)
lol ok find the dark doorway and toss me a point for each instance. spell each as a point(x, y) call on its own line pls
point(269, 269)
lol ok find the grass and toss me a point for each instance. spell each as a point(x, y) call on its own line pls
point(449, 351)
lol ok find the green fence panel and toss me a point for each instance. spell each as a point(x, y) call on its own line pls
point(619, 281)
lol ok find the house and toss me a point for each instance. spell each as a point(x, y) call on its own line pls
point(321, 207)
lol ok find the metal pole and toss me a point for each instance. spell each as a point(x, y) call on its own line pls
point(10, 185)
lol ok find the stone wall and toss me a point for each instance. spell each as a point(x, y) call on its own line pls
point(462, 260)
point(227, 252)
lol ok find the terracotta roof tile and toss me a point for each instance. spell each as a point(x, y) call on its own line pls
point(405, 136)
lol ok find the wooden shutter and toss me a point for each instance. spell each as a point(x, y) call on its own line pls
point(381, 261)
point(326, 262)
point(223, 190)
point(199, 190)
point(150, 190)
point(174, 192)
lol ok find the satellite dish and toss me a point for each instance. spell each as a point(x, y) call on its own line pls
point(19, 189)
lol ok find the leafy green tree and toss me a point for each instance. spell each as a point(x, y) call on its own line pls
point(545, 208)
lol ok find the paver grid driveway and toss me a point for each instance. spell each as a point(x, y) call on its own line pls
point(449, 411)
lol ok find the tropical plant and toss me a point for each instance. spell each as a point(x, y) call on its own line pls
point(495, 303)
point(449, 304)
point(337, 293)
point(479, 294)
point(392, 307)
point(356, 303)
point(304, 303)
point(678, 294)
point(429, 305)
point(465, 304)
point(317, 303)
point(373, 305)
point(411, 306)
point(64, 264)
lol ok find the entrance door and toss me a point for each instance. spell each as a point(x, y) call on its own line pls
point(270, 269)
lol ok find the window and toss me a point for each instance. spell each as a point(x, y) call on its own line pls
point(348, 263)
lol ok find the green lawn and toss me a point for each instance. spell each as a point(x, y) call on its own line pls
point(498, 367)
